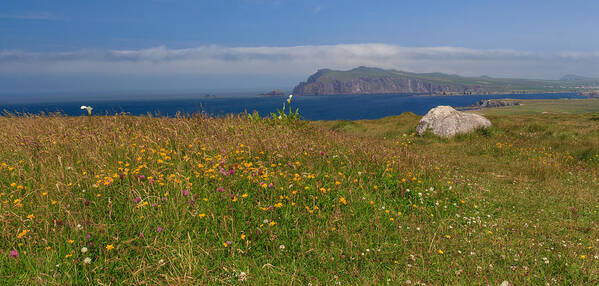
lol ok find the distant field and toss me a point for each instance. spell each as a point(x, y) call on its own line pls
point(561, 106)
point(198, 200)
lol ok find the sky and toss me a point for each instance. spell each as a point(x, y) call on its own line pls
point(228, 45)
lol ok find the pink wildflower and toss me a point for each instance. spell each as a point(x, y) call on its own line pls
point(13, 254)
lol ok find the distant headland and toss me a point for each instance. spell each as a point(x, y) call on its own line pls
point(275, 92)
point(368, 80)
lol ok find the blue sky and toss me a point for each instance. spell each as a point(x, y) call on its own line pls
point(186, 44)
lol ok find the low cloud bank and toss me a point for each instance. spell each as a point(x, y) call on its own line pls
point(299, 61)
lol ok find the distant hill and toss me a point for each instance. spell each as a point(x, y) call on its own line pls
point(573, 77)
point(368, 80)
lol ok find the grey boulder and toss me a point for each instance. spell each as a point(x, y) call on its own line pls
point(445, 121)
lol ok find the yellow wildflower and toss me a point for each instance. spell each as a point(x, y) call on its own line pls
point(22, 233)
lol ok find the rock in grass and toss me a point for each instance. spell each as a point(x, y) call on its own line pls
point(445, 121)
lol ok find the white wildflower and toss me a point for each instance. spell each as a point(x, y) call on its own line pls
point(242, 276)
point(88, 108)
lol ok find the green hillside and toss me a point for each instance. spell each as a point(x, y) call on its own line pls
point(376, 80)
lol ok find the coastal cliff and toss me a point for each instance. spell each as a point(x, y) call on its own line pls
point(366, 80)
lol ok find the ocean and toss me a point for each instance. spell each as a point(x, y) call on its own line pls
point(334, 107)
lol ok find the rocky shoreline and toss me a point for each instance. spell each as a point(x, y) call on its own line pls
point(490, 103)
point(590, 94)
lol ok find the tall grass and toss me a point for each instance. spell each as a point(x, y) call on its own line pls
point(233, 200)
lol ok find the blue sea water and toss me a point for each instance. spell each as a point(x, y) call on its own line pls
point(349, 107)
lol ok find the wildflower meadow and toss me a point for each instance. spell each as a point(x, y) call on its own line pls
point(240, 199)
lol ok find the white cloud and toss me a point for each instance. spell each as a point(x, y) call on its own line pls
point(300, 61)
point(317, 9)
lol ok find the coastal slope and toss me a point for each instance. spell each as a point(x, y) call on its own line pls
point(368, 80)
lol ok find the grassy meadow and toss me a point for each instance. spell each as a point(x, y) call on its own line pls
point(113, 200)
point(547, 106)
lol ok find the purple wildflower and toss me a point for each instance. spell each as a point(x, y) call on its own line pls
point(137, 200)
point(185, 192)
point(220, 189)
point(159, 229)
